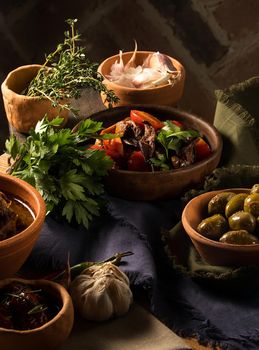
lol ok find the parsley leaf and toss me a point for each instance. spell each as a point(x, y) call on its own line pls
point(67, 174)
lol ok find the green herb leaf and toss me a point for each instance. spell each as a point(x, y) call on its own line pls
point(160, 161)
point(65, 73)
point(171, 136)
point(67, 175)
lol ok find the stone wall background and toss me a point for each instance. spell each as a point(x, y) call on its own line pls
point(216, 40)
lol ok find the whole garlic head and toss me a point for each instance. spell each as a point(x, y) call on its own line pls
point(101, 292)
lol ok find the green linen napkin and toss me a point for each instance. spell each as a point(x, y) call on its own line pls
point(185, 259)
point(237, 119)
point(181, 253)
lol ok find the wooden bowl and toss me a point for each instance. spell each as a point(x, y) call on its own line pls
point(162, 95)
point(149, 186)
point(15, 250)
point(23, 112)
point(51, 334)
point(214, 252)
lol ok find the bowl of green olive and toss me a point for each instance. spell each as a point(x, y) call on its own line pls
point(223, 226)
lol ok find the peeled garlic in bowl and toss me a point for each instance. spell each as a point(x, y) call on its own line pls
point(101, 292)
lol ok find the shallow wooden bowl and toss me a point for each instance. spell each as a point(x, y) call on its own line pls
point(162, 95)
point(149, 186)
point(214, 252)
point(51, 334)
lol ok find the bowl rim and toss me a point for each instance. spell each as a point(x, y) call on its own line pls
point(5, 84)
point(62, 295)
point(155, 88)
point(196, 165)
point(196, 236)
point(39, 217)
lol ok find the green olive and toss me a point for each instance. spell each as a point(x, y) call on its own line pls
point(213, 227)
point(239, 237)
point(235, 204)
point(255, 189)
point(242, 220)
point(217, 204)
point(251, 204)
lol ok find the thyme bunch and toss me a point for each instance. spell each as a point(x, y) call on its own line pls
point(66, 72)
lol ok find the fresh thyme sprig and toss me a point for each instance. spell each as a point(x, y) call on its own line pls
point(66, 72)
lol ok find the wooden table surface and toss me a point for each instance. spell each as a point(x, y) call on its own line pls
point(91, 103)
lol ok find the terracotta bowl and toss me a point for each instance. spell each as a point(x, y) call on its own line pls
point(51, 334)
point(214, 252)
point(162, 95)
point(15, 250)
point(148, 186)
point(23, 112)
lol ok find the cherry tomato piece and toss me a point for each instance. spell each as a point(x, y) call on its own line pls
point(202, 149)
point(136, 162)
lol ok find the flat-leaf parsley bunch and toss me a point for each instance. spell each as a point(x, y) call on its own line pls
point(66, 72)
point(66, 172)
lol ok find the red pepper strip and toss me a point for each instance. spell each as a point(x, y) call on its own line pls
point(202, 149)
point(96, 146)
point(109, 130)
point(139, 117)
point(136, 118)
point(114, 148)
point(136, 162)
point(177, 123)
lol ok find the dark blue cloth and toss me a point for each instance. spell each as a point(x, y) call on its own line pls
point(188, 307)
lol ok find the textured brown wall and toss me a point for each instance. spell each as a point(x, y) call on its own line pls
point(216, 40)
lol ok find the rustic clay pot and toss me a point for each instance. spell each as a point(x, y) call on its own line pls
point(214, 252)
point(51, 334)
point(23, 112)
point(149, 186)
point(15, 250)
point(162, 95)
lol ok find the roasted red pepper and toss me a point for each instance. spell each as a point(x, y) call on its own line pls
point(202, 149)
point(139, 117)
point(113, 148)
point(109, 130)
point(136, 162)
point(177, 123)
point(96, 146)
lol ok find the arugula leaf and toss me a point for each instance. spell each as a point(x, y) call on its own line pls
point(160, 161)
point(171, 137)
point(67, 175)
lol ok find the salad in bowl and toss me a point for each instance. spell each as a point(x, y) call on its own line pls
point(142, 142)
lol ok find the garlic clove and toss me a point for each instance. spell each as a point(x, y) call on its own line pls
point(122, 294)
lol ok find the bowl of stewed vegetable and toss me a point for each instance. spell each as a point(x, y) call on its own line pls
point(223, 225)
point(34, 314)
point(158, 152)
point(22, 214)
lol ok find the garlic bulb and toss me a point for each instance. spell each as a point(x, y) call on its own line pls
point(101, 292)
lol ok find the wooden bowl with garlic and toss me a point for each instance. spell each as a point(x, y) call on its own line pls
point(143, 77)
